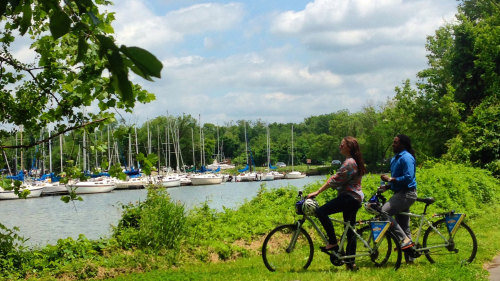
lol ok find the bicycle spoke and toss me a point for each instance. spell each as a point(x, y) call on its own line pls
point(460, 249)
point(385, 252)
point(281, 253)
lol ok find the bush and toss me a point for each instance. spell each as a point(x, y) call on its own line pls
point(12, 254)
point(157, 224)
point(454, 186)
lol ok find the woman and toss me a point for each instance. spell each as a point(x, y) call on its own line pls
point(347, 181)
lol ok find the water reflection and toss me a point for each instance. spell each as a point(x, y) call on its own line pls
point(47, 219)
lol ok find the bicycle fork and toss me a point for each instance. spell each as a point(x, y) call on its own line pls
point(296, 234)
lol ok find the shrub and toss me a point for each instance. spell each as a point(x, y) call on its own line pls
point(157, 224)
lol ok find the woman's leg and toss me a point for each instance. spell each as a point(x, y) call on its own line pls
point(350, 216)
point(335, 205)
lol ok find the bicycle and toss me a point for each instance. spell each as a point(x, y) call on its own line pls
point(289, 247)
point(448, 236)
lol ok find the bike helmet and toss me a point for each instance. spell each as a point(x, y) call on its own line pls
point(309, 207)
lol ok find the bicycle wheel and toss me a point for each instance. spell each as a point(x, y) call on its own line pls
point(386, 251)
point(281, 253)
point(462, 245)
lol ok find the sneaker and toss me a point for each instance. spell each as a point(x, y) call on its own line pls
point(407, 245)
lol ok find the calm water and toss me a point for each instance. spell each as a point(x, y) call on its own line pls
point(47, 219)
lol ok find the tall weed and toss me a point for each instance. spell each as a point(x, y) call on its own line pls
point(156, 224)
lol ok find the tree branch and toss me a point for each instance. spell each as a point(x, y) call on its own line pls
point(52, 137)
point(14, 64)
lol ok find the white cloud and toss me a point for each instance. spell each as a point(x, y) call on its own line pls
point(221, 62)
point(205, 17)
point(137, 25)
point(339, 24)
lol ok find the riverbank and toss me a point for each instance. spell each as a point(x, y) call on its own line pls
point(46, 219)
point(157, 239)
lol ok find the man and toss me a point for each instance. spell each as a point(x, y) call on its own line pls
point(404, 185)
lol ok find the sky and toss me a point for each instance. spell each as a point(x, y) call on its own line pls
point(276, 60)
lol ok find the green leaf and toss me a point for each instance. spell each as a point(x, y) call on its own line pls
point(82, 48)
point(125, 88)
point(95, 20)
point(83, 5)
point(26, 21)
point(3, 7)
point(105, 44)
point(144, 60)
point(60, 23)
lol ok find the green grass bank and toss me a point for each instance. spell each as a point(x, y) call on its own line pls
point(158, 240)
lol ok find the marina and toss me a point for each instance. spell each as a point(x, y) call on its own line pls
point(46, 219)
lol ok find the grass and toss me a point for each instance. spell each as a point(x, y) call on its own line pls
point(252, 268)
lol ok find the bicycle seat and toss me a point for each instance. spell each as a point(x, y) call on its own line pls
point(427, 200)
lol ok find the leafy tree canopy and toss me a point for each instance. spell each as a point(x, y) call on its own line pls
point(77, 64)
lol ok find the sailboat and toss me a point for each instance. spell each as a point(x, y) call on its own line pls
point(246, 175)
point(294, 174)
point(268, 175)
point(204, 178)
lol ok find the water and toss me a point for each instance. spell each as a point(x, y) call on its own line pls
point(46, 219)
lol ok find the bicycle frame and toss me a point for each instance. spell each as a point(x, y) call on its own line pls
point(343, 239)
point(424, 221)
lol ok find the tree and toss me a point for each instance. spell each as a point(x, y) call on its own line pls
point(465, 56)
point(77, 64)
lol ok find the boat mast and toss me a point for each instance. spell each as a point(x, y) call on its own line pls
point(22, 160)
point(96, 158)
point(292, 147)
point(159, 149)
point(268, 148)
point(136, 148)
point(192, 142)
point(109, 151)
point(167, 147)
point(201, 147)
point(179, 152)
point(149, 138)
point(6, 161)
point(15, 168)
point(218, 157)
point(246, 144)
point(50, 154)
point(84, 154)
point(61, 150)
point(130, 151)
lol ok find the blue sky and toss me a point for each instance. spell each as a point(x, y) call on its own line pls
point(277, 61)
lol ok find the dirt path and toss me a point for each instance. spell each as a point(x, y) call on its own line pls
point(494, 269)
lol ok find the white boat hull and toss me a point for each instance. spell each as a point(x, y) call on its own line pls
point(171, 182)
point(278, 176)
point(205, 180)
point(91, 187)
point(295, 175)
point(267, 177)
point(247, 177)
point(131, 184)
point(54, 189)
point(35, 191)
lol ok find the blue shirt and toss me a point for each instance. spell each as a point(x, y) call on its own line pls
point(403, 171)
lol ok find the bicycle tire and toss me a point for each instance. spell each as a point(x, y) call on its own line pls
point(384, 253)
point(275, 254)
point(463, 249)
